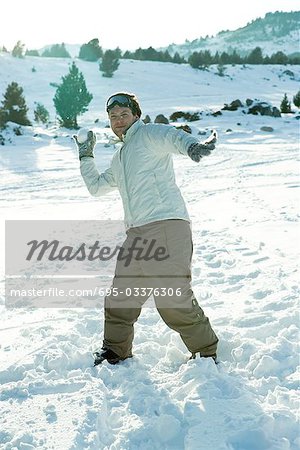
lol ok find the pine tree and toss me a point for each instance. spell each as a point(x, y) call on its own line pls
point(279, 58)
point(32, 53)
point(109, 63)
point(71, 98)
point(296, 99)
point(177, 59)
point(14, 108)
point(164, 56)
point(235, 58)
point(41, 114)
point(285, 106)
point(2, 119)
point(225, 58)
point(118, 52)
point(127, 55)
point(194, 60)
point(256, 56)
point(150, 54)
point(216, 58)
point(18, 50)
point(56, 51)
point(139, 54)
point(91, 51)
point(207, 58)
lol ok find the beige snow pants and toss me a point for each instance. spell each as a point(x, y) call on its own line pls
point(167, 277)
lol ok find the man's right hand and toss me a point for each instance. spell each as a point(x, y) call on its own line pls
point(86, 148)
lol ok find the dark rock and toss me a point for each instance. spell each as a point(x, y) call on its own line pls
point(289, 73)
point(176, 115)
point(184, 128)
point(268, 129)
point(275, 112)
point(147, 119)
point(264, 109)
point(18, 131)
point(254, 107)
point(233, 106)
point(258, 108)
point(96, 121)
point(217, 113)
point(161, 119)
point(189, 117)
point(229, 130)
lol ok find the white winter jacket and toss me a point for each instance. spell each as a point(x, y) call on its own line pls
point(142, 170)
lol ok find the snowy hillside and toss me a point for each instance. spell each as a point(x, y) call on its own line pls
point(243, 201)
point(275, 32)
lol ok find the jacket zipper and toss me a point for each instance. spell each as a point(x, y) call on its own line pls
point(125, 185)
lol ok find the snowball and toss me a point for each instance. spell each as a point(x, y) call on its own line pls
point(82, 135)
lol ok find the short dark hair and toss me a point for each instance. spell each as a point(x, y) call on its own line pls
point(135, 108)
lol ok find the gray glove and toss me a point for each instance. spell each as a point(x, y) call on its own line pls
point(197, 150)
point(86, 148)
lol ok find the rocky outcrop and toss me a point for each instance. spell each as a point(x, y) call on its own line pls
point(161, 119)
point(255, 107)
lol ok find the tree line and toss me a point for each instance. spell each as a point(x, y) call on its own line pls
point(109, 60)
point(203, 59)
point(92, 51)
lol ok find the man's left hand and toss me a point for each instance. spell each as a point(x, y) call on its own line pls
point(197, 150)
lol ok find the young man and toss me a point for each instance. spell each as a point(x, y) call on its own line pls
point(155, 212)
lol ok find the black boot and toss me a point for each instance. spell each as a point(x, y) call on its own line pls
point(108, 354)
point(213, 356)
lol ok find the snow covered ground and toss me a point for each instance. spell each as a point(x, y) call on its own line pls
point(244, 204)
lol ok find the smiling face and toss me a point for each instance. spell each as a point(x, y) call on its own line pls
point(121, 118)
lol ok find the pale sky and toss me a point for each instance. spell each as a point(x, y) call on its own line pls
point(127, 24)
